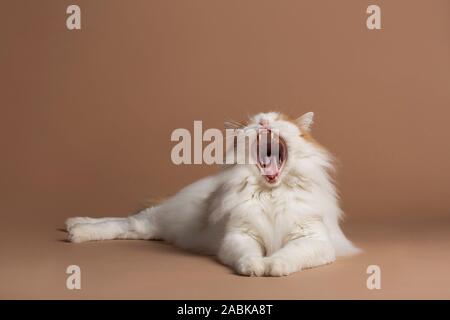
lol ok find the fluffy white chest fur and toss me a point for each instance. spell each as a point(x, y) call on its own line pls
point(273, 217)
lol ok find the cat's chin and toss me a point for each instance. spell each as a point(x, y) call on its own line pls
point(272, 180)
point(272, 185)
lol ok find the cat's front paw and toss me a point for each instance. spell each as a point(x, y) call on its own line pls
point(251, 266)
point(80, 232)
point(278, 267)
point(75, 220)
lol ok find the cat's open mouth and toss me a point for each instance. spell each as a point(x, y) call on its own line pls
point(271, 153)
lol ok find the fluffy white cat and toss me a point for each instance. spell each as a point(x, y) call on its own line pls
point(272, 218)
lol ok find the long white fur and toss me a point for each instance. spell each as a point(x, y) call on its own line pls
point(255, 227)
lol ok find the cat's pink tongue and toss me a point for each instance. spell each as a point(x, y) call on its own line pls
point(271, 169)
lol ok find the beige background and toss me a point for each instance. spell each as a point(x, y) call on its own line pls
point(86, 118)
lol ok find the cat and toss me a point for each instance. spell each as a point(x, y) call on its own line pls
point(274, 217)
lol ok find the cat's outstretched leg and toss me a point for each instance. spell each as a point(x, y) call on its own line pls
point(243, 253)
point(77, 220)
point(305, 252)
point(139, 226)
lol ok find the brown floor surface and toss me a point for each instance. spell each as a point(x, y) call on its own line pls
point(414, 261)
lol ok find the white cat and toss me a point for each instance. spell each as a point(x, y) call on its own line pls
point(272, 218)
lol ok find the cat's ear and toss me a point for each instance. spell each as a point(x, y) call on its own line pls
point(306, 121)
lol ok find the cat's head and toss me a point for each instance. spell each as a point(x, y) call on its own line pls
point(278, 145)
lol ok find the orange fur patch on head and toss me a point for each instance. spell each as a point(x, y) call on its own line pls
point(308, 137)
point(286, 117)
point(305, 134)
